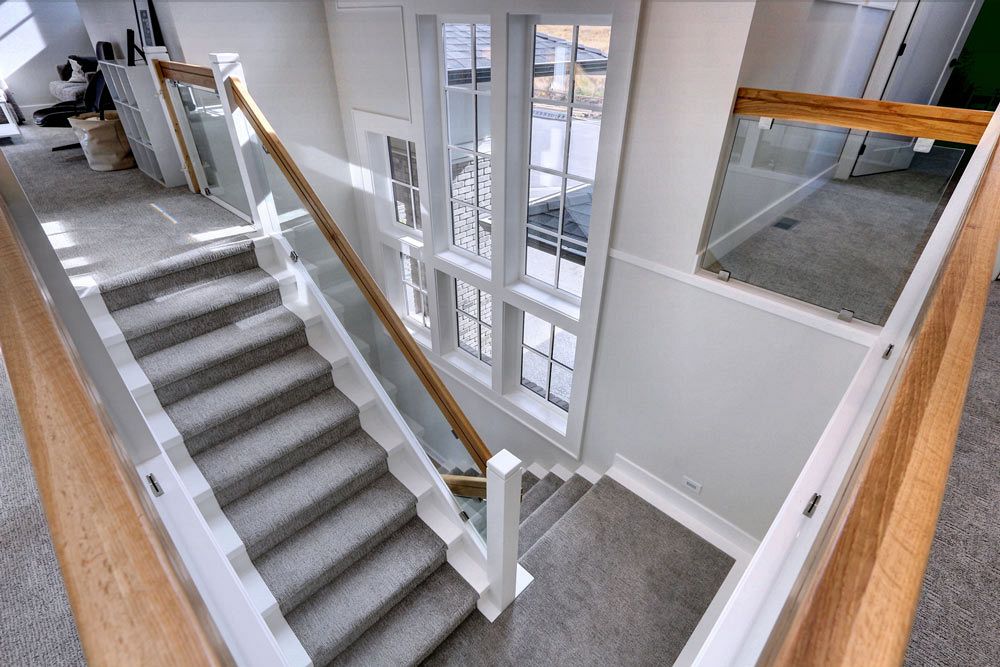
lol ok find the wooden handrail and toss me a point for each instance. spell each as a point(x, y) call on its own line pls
point(911, 120)
point(855, 603)
point(128, 602)
point(466, 485)
point(460, 424)
point(195, 75)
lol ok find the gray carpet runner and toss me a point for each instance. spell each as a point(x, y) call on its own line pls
point(359, 577)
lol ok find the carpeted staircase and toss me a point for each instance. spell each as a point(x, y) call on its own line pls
point(358, 576)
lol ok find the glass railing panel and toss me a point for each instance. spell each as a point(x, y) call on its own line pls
point(390, 366)
point(213, 148)
point(802, 214)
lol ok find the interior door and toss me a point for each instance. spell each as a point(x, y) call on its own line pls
point(923, 64)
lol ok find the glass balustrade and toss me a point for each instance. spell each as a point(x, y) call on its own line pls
point(391, 368)
point(803, 214)
point(213, 153)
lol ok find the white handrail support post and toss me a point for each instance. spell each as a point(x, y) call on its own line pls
point(255, 181)
point(503, 508)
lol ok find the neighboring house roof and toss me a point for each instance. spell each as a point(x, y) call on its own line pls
point(544, 214)
point(458, 42)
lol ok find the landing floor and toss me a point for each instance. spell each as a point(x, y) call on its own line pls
point(617, 582)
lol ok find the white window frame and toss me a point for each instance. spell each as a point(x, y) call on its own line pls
point(502, 276)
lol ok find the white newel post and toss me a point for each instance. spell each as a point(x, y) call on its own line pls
point(503, 509)
point(265, 217)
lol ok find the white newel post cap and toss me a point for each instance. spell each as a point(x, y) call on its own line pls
point(504, 464)
point(224, 57)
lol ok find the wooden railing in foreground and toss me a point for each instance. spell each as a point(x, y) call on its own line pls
point(855, 603)
point(459, 423)
point(129, 604)
point(466, 485)
point(196, 75)
point(911, 120)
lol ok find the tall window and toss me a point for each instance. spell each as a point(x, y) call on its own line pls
point(569, 68)
point(547, 354)
point(467, 60)
point(474, 317)
point(415, 289)
point(405, 188)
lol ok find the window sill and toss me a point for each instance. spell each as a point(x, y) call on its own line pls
point(538, 408)
point(465, 262)
point(474, 369)
point(567, 308)
point(420, 334)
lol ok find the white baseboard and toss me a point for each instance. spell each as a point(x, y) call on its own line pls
point(743, 231)
point(679, 506)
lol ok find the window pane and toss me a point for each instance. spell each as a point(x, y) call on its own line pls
point(553, 51)
point(544, 194)
point(399, 163)
point(485, 183)
point(486, 344)
point(537, 333)
point(583, 134)
point(463, 221)
point(463, 176)
point(412, 297)
point(564, 347)
point(468, 335)
point(591, 64)
point(461, 119)
point(411, 269)
point(534, 371)
point(486, 307)
point(540, 262)
point(466, 298)
point(413, 164)
point(484, 56)
point(416, 208)
point(548, 136)
point(561, 383)
point(485, 235)
point(404, 207)
point(484, 137)
point(458, 54)
point(572, 262)
point(427, 310)
point(576, 210)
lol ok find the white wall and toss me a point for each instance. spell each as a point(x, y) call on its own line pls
point(35, 37)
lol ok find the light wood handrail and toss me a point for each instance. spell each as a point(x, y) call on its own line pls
point(460, 424)
point(466, 485)
point(128, 602)
point(195, 75)
point(855, 603)
point(911, 120)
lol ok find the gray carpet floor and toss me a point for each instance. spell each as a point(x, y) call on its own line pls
point(855, 242)
point(106, 223)
point(958, 617)
point(36, 624)
point(617, 582)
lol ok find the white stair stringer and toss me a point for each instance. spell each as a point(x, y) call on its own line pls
point(380, 418)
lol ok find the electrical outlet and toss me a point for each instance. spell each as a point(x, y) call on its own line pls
point(693, 486)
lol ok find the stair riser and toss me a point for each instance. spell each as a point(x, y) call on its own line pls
point(146, 290)
point(315, 510)
point(255, 415)
point(188, 329)
point(227, 491)
point(300, 596)
point(230, 368)
point(328, 655)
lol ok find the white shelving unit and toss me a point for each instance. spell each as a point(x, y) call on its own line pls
point(134, 93)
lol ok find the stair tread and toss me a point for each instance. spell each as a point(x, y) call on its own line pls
point(205, 360)
point(528, 480)
point(417, 625)
point(199, 412)
point(271, 513)
point(242, 463)
point(538, 494)
point(550, 511)
point(148, 281)
point(341, 612)
point(311, 558)
point(192, 301)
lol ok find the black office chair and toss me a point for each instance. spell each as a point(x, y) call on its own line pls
point(97, 98)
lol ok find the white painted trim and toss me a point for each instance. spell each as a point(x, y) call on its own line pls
point(676, 504)
point(721, 246)
point(794, 310)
